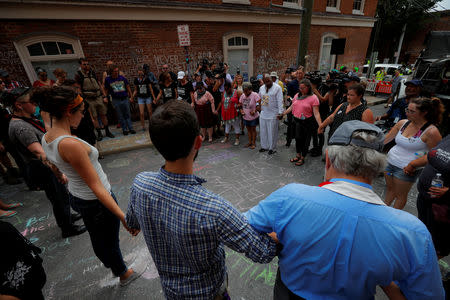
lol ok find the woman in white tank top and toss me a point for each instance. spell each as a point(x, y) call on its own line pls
point(90, 191)
point(414, 137)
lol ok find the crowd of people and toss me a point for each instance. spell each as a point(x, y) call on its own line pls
point(51, 131)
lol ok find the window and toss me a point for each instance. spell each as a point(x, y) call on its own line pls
point(358, 7)
point(293, 3)
point(245, 2)
point(49, 52)
point(333, 6)
point(326, 60)
point(238, 53)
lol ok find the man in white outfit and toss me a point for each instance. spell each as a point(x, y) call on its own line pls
point(271, 106)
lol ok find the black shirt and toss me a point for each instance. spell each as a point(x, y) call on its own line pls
point(217, 95)
point(142, 87)
point(184, 91)
point(168, 93)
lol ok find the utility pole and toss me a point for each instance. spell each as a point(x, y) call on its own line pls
point(400, 43)
point(304, 32)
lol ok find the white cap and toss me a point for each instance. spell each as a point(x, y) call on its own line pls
point(273, 74)
point(181, 75)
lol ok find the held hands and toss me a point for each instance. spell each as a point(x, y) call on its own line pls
point(252, 113)
point(438, 192)
point(409, 169)
point(215, 112)
point(132, 231)
point(280, 116)
point(320, 130)
point(105, 99)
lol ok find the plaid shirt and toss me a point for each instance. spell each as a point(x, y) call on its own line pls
point(185, 227)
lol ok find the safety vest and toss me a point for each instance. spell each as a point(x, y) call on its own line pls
point(380, 75)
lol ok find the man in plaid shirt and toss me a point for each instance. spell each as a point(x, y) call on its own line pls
point(185, 226)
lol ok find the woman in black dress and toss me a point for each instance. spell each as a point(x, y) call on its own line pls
point(353, 109)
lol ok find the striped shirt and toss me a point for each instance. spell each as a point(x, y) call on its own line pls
point(185, 227)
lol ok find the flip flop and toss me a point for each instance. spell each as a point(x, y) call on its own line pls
point(295, 159)
point(300, 162)
point(13, 205)
point(7, 214)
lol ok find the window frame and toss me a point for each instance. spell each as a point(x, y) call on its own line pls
point(249, 46)
point(322, 42)
point(243, 2)
point(361, 10)
point(21, 47)
point(334, 9)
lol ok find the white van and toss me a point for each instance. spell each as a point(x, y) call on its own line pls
point(389, 68)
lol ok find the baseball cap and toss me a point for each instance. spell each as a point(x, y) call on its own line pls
point(343, 135)
point(273, 74)
point(416, 82)
point(181, 75)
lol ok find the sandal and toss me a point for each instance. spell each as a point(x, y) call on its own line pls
point(300, 162)
point(252, 146)
point(295, 159)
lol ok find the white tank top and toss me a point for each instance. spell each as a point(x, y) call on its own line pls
point(77, 186)
point(407, 149)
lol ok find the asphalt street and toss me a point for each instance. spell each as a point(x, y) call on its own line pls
point(242, 176)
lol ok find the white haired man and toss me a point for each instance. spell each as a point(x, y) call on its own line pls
point(271, 106)
point(339, 239)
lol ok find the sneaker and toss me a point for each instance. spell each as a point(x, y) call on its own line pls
point(236, 142)
point(73, 231)
point(132, 131)
point(109, 134)
point(262, 150)
point(224, 140)
point(125, 132)
point(272, 152)
point(131, 278)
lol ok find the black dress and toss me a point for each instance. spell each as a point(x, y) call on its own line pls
point(85, 129)
point(341, 116)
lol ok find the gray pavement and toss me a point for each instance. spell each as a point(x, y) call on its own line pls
point(242, 176)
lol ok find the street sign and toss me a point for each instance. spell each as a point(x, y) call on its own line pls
point(183, 35)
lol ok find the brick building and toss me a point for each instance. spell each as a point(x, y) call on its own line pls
point(416, 42)
point(253, 35)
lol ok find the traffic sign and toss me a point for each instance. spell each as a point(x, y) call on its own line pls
point(184, 36)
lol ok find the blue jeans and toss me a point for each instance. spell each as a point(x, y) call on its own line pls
point(103, 228)
point(122, 106)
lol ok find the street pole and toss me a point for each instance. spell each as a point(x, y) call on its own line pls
point(400, 43)
point(304, 32)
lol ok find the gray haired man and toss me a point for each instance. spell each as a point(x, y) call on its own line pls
point(340, 239)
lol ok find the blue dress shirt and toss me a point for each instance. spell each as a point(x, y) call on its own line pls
point(338, 247)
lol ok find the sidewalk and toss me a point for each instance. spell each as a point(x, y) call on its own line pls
point(141, 139)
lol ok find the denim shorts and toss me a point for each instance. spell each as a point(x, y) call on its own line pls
point(398, 173)
point(251, 123)
point(144, 100)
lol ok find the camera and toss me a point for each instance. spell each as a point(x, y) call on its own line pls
point(314, 77)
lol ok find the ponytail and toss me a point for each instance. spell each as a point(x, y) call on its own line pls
point(55, 100)
point(432, 107)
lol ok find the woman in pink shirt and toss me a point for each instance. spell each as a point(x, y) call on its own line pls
point(203, 105)
point(250, 104)
point(305, 107)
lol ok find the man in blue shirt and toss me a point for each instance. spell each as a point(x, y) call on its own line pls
point(185, 226)
point(397, 110)
point(339, 239)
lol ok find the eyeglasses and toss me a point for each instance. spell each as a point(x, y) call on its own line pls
point(407, 110)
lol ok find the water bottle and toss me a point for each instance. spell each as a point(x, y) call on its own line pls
point(437, 182)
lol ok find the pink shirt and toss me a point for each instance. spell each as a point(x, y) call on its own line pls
point(304, 106)
point(249, 105)
point(204, 99)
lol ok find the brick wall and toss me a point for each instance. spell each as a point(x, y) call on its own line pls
point(131, 43)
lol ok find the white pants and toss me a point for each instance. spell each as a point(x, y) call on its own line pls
point(268, 132)
point(236, 124)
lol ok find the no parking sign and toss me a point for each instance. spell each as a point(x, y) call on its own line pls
point(184, 36)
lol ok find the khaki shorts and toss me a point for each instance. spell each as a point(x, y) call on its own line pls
point(97, 106)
